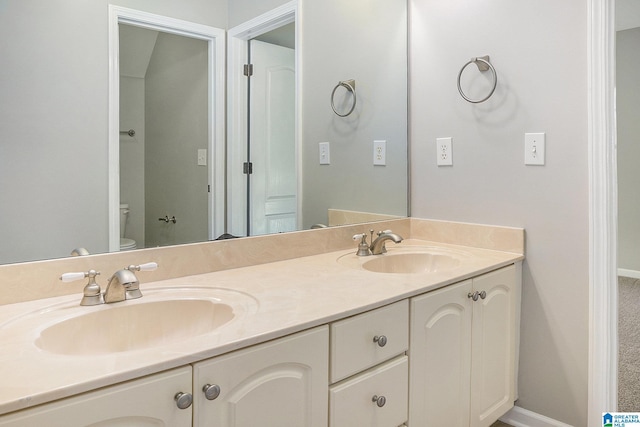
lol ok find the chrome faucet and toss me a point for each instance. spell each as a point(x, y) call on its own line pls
point(378, 245)
point(120, 285)
point(124, 284)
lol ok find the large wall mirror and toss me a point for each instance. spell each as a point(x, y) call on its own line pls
point(56, 134)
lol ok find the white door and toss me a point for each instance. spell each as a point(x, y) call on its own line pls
point(272, 149)
point(146, 402)
point(493, 349)
point(440, 353)
point(281, 383)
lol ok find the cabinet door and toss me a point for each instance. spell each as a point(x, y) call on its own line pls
point(440, 354)
point(493, 349)
point(352, 402)
point(280, 383)
point(145, 402)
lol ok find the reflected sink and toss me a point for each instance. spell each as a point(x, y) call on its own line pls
point(407, 260)
point(130, 327)
point(411, 263)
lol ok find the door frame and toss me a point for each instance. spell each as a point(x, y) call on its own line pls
point(603, 212)
point(216, 40)
point(237, 106)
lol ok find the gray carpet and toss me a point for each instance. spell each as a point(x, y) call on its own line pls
point(629, 345)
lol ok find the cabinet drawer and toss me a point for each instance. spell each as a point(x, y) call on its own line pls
point(353, 348)
point(351, 402)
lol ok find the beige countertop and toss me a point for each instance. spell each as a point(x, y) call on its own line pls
point(270, 301)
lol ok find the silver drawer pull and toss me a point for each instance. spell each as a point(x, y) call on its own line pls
point(379, 400)
point(381, 340)
point(211, 391)
point(183, 400)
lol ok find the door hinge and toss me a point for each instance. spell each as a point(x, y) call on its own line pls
point(247, 168)
point(248, 70)
point(209, 188)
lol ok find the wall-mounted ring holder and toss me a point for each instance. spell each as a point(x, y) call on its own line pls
point(483, 64)
point(350, 85)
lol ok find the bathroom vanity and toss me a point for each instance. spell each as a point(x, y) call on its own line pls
point(332, 339)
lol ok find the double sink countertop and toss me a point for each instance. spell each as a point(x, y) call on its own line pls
point(269, 301)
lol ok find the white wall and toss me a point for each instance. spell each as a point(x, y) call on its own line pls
point(628, 111)
point(53, 90)
point(539, 48)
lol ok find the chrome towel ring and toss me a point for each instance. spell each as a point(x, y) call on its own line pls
point(350, 85)
point(483, 65)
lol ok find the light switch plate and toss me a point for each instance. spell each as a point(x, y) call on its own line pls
point(324, 153)
point(202, 157)
point(534, 148)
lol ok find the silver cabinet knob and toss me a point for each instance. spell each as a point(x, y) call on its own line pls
point(211, 391)
point(381, 340)
point(473, 296)
point(183, 400)
point(379, 400)
point(483, 294)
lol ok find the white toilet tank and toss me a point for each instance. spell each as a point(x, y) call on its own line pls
point(125, 244)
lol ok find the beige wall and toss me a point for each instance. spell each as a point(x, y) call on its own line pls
point(628, 111)
point(539, 49)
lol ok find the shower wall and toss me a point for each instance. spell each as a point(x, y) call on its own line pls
point(628, 112)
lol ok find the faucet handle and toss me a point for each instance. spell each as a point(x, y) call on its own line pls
point(72, 277)
point(363, 246)
point(92, 294)
point(149, 266)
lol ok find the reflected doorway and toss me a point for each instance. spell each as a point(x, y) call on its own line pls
point(271, 144)
point(166, 130)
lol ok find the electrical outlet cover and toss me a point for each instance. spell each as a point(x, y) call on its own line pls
point(444, 151)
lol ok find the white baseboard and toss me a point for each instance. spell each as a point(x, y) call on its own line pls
point(634, 274)
point(518, 417)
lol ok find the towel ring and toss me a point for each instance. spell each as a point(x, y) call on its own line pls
point(483, 65)
point(350, 85)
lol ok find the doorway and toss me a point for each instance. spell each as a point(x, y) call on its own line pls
point(263, 155)
point(178, 162)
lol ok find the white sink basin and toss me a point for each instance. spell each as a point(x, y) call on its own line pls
point(407, 260)
point(134, 327)
point(411, 263)
point(166, 318)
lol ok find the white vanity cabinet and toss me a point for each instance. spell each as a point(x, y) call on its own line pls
point(369, 368)
point(463, 352)
point(279, 383)
point(144, 402)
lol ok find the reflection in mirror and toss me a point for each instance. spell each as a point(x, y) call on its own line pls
point(164, 83)
point(271, 140)
point(164, 166)
point(59, 191)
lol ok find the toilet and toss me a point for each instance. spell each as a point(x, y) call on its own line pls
point(125, 244)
